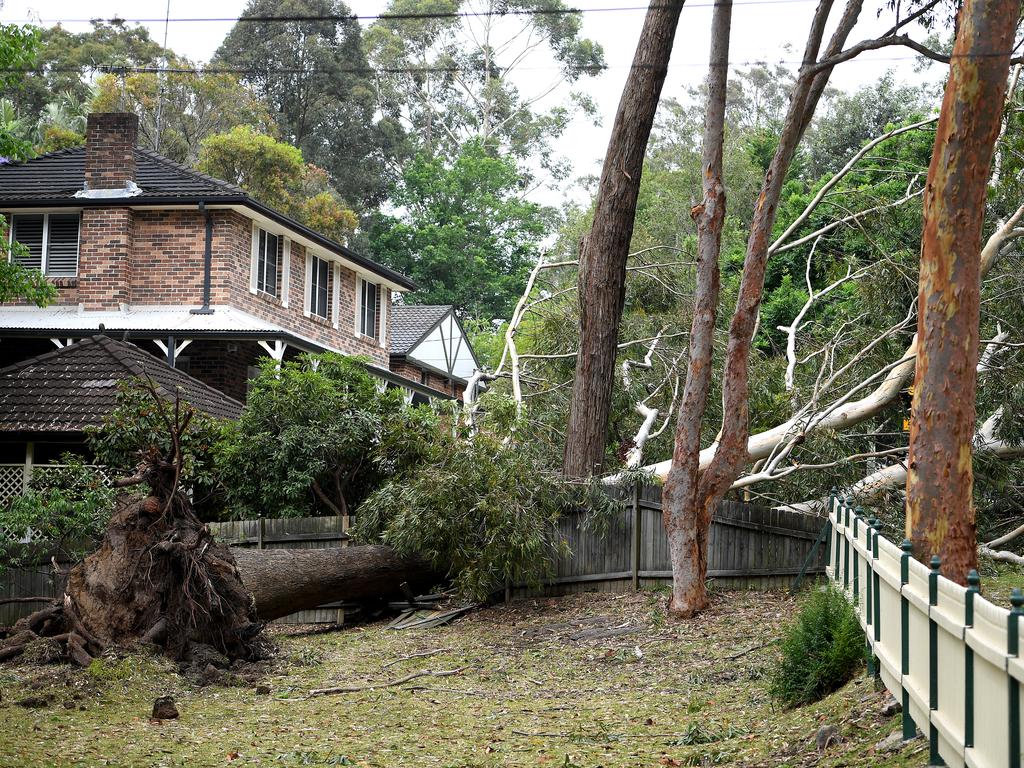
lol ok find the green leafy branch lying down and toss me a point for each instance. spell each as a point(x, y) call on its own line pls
point(483, 510)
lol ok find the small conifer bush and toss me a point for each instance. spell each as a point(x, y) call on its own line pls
point(820, 651)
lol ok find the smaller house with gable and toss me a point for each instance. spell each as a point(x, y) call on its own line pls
point(430, 346)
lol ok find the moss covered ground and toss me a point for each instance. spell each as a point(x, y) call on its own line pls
point(585, 680)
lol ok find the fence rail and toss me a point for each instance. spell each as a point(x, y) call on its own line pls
point(917, 623)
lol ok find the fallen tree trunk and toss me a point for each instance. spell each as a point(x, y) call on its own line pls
point(283, 581)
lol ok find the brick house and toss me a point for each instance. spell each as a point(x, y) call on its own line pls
point(188, 267)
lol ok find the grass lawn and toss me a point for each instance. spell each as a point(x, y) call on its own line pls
point(533, 692)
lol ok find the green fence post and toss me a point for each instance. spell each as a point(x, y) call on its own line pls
point(933, 662)
point(1013, 650)
point(909, 729)
point(973, 588)
point(856, 560)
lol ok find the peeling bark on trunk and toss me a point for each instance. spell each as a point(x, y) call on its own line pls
point(603, 251)
point(693, 494)
point(940, 512)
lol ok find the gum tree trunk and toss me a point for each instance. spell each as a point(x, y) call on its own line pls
point(940, 511)
point(686, 521)
point(603, 251)
point(692, 494)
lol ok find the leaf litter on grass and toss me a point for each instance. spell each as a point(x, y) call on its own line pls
point(551, 682)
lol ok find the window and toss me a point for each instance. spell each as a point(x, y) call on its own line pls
point(369, 295)
point(51, 240)
point(268, 262)
point(319, 284)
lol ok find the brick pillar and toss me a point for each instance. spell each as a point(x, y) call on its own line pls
point(104, 258)
point(110, 149)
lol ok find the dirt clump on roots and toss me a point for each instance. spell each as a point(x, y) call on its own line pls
point(158, 578)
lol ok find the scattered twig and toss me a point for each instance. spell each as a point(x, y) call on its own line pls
point(421, 655)
point(446, 690)
point(752, 649)
point(390, 684)
point(9, 600)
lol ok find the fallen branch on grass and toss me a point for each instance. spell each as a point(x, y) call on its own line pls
point(390, 684)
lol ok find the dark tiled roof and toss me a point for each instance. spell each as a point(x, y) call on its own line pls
point(61, 174)
point(54, 178)
point(411, 322)
point(74, 387)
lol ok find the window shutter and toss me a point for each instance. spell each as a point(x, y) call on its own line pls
point(28, 230)
point(286, 271)
point(307, 301)
point(383, 297)
point(255, 258)
point(62, 245)
point(335, 299)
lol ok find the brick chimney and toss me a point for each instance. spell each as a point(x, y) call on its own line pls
point(110, 149)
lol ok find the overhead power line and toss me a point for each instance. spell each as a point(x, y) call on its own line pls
point(440, 15)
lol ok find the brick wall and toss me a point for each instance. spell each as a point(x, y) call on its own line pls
point(105, 257)
point(427, 378)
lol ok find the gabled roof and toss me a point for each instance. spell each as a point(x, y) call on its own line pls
point(411, 322)
point(75, 387)
point(54, 178)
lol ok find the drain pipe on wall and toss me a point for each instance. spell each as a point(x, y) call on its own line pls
point(207, 263)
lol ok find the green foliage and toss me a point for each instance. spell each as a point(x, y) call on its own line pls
point(65, 510)
point(466, 235)
point(449, 80)
point(275, 174)
point(313, 77)
point(820, 651)
point(191, 107)
point(316, 441)
point(65, 58)
point(19, 49)
point(481, 510)
point(140, 422)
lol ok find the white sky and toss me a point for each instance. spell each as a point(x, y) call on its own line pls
point(769, 30)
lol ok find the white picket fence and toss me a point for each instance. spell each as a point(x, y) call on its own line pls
point(949, 654)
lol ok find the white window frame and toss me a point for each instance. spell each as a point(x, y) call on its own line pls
point(360, 283)
point(282, 273)
point(44, 255)
point(310, 272)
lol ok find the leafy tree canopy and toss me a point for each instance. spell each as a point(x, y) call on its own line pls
point(316, 440)
point(464, 233)
point(275, 174)
point(314, 79)
point(178, 111)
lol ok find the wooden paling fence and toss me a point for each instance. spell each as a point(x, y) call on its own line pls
point(917, 623)
point(749, 547)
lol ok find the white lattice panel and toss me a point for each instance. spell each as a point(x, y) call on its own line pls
point(12, 478)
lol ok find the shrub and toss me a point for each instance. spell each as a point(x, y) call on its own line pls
point(63, 513)
point(820, 651)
